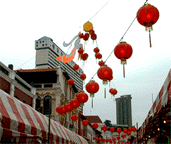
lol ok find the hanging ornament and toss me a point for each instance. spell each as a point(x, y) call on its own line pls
point(76, 67)
point(82, 97)
point(85, 122)
point(92, 87)
point(86, 36)
point(123, 136)
point(91, 31)
point(84, 56)
point(98, 55)
point(104, 128)
point(87, 26)
point(81, 35)
point(74, 118)
point(114, 139)
point(113, 91)
point(75, 104)
point(96, 50)
point(101, 63)
point(69, 108)
point(112, 129)
point(95, 126)
point(104, 72)
point(83, 77)
point(118, 138)
point(125, 130)
point(123, 51)
point(93, 37)
point(130, 129)
point(58, 110)
point(70, 82)
point(128, 133)
point(80, 53)
point(119, 130)
point(148, 15)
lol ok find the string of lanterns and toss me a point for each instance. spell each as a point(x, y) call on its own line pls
point(147, 16)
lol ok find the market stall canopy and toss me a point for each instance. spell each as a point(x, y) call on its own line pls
point(163, 98)
point(21, 123)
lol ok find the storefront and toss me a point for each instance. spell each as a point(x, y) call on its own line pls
point(21, 123)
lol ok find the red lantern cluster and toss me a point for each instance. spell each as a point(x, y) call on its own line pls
point(69, 108)
point(125, 130)
point(123, 51)
point(84, 56)
point(70, 82)
point(119, 130)
point(82, 97)
point(98, 56)
point(123, 136)
point(105, 73)
point(80, 53)
point(101, 63)
point(113, 91)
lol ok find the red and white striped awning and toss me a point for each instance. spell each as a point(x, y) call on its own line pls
point(162, 99)
point(21, 122)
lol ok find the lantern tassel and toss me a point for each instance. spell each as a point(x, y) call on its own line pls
point(124, 70)
point(104, 92)
point(150, 38)
point(92, 103)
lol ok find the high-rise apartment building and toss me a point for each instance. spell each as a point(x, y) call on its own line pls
point(123, 110)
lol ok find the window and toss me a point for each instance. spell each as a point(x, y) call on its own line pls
point(47, 105)
point(47, 85)
point(4, 70)
point(38, 103)
point(43, 41)
point(40, 41)
point(36, 45)
point(42, 44)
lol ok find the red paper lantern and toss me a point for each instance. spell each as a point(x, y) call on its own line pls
point(58, 110)
point(104, 128)
point(93, 36)
point(130, 129)
point(119, 130)
point(74, 117)
point(69, 108)
point(114, 139)
point(112, 129)
point(104, 73)
point(101, 63)
point(91, 31)
point(148, 15)
point(80, 35)
point(134, 129)
point(83, 76)
point(82, 97)
point(98, 55)
point(123, 51)
point(97, 139)
point(94, 138)
point(123, 136)
point(96, 50)
point(84, 56)
point(70, 82)
point(113, 91)
point(95, 125)
point(76, 67)
point(118, 138)
point(128, 133)
point(110, 140)
point(92, 87)
point(125, 130)
point(86, 36)
point(74, 103)
point(85, 122)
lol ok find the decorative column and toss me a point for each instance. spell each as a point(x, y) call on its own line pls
point(33, 91)
point(12, 88)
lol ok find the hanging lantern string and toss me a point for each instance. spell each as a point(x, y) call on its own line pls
point(120, 39)
point(98, 11)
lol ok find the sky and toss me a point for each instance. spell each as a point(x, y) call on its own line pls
point(23, 22)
